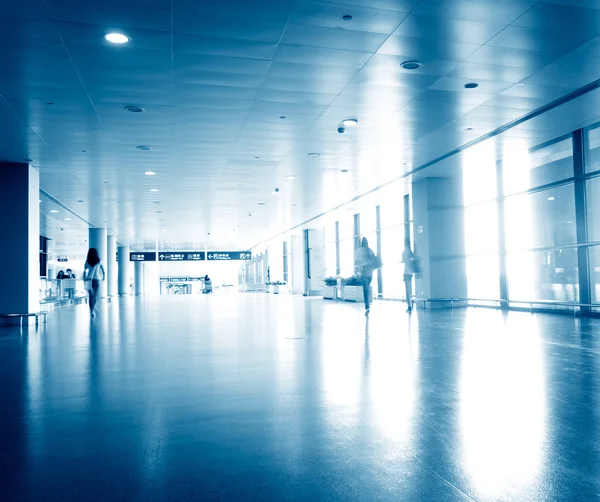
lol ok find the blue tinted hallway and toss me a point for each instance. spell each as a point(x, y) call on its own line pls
point(281, 398)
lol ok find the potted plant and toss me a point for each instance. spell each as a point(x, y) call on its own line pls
point(278, 287)
point(352, 290)
point(329, 288)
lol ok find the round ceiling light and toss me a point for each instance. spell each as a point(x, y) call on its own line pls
point(144, 148)
point(471, 85)
point(314, 154)
point(410, 65)
point(149, 173)
point(134, 109)
point(116, 38)
point(347, 17)
point(350, 122)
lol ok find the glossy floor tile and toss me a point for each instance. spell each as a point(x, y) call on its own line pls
point(255, 397)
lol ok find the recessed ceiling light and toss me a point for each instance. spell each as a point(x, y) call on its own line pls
point(144, 148)
point(154, 190)
point(149, 173)
point(283, 117)
point(261, 204)
point(53, 211)
point(83, 151)
point(116, 38)
point(347, 17)
point(344, 170)
point(290, 177)
point(134, 109)
point(314, 154)
point(67, 219)
point(80, 201)
point(50, 103)
point(550, 198)
point(40, 200)
point(257, 157)
point(410, 65)
point(471, 85)
point(350, 122)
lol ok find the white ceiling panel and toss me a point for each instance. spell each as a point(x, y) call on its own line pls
point(222, 83)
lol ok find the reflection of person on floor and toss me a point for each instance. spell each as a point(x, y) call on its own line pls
point(207, 285)
point(367, 262)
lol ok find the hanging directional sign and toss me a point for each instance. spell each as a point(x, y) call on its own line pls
point(229, 255)
point(182, 256)
point(142, 256)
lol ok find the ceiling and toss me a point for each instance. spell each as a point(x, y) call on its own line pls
point(236, 95)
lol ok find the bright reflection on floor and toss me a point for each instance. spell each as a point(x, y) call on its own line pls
point(502, 404)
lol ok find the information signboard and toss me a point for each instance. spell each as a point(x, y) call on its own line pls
point(181, 256)
point(229, 255)
point(142, 256)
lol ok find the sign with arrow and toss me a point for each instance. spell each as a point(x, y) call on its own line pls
point(229, 255)
point(182, 256)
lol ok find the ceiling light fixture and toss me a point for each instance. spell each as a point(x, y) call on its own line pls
point(344, 170)
point(154, 190)
point(314, 154)
point(53, 211)
point(347, 17)
point(410, 65)
point(149, 173)
point(471, 85)
point(67, 219)
point(350, 122)
point(469, 129)
point(550, 198)
point(80, 201)
point(144, 148)
point(261, 204)
point(134, 109)
point(116, 38)
point(290, 177)
point(283, 117)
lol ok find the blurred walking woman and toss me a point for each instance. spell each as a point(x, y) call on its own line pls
point(92, 275)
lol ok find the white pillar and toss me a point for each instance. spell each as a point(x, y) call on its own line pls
point(123, 270)
point(138, 278)
point(20, 249)
point(111, 266)
point(97, 239)
point(438, 216)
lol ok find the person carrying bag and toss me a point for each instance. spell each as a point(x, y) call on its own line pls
point(367, 262)
point(92, 275)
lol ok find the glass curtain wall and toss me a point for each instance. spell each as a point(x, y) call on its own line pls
point(541, 234)
point(481, 223)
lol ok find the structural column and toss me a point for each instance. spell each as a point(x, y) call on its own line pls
point(438, 219)
point(20, 228)
point(97, 239)
point(138, 278)
point(123, 270)
point(111, 266)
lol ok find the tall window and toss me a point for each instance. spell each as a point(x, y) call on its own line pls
point(481, 222)
point(540, 223)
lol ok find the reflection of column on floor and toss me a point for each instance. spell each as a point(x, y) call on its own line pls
point(111, 266)
point(97, 239)
point(20, 250)
point(124, 270)
point(438, 220)
point(138, 278)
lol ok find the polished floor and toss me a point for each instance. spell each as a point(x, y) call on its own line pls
point(255, 397)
